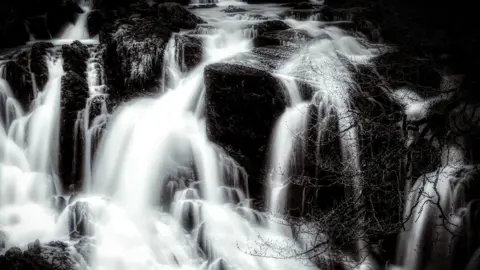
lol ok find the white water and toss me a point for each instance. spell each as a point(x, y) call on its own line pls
point(150, 140)
point(288, 134)
point(28, 152)
point(163, 135)
point(319, 65)
point(77, 31)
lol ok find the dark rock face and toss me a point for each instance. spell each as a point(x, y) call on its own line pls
point(190, 49)
point(3, 240)
point(233, 9)
point(178, 15)
point(403, 70)
point(134, 47)
point(38, 28)
point(54, 255)
point(14, 33)
point(244, 133)
point(38, 62)
point(270, 25)
point(133, 57)
point(19, 79)
point(281, 37)
point(79, 219)
point(95, 21)
point(75, 57)
point(73, 99)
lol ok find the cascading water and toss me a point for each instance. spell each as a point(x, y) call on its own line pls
point(332, 82)
point(92, 120)
point(167, 141)
point(28, 150)
point(77, 31)
point(157, 194)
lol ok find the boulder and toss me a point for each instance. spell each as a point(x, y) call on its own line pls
point(270, 25)
point(133, 56)
point(197, 6)
point(75, 58)
point(290, 37)
point(244, 134)
point(38, 62)
point(190, 48)
point(54, 255)
point(73, 99)
point(178, 15)
point(79, 219)
point(234, 9)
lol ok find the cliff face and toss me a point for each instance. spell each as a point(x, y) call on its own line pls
point(438, 31)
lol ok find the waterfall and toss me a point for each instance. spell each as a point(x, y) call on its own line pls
point(28, 165)
point(92, 120)
point(156, 193)
point(168, 154)
point(288, 133)
point(77, 31)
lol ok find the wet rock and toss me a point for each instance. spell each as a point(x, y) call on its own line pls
point(54, 255)
point(302, 5)
point(3, 240)
point(133, 57)
point(244, 134)
point(75, 58)
point(403, 70)
point(270, 25)
point(203, 242)
point(178, 15)
point(95, 21)
point(291, 37)
point(197, 6)
point(86, 248)
point(79, 219)
point(268, 58)
point(73, 99)
point(190, 50)
point(19, 79)
point(59, 203)
point(219, 264)
point(38, 62)
point(231, 9)
point(320, 13)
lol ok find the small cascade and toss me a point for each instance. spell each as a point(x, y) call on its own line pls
point(77, 31)
point(169, 155)
point(288, 135)
point(28, 151)
point(92, 120)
